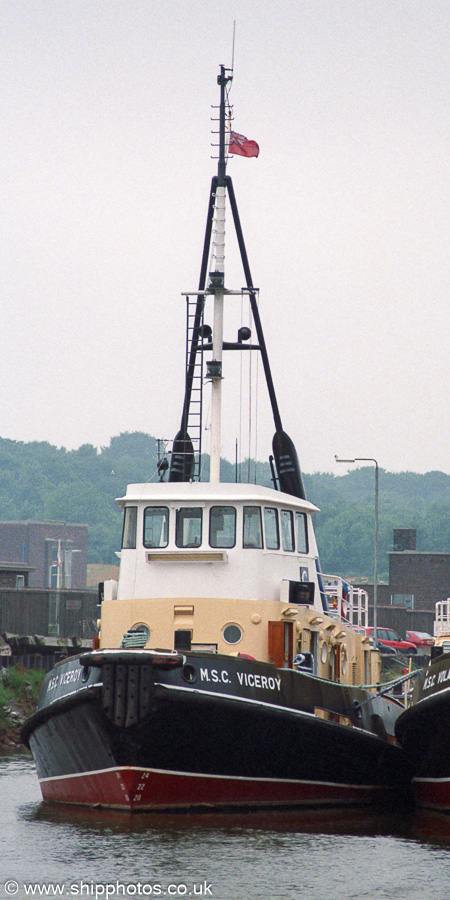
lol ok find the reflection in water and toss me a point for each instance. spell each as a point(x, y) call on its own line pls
point(403, 822)
point(431, 826)
point(421, 825)
point(310, 821)
point(351, 853)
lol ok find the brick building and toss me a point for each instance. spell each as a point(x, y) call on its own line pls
point(418, 580)
point(48, 554)
point(14, 575)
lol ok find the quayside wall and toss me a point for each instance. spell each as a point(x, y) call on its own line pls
point(38, 627)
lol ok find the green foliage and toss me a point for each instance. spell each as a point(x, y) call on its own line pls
point(345, 525)
point(18, 684)
point(19, 691)
point(39, 481)
point(43, 482)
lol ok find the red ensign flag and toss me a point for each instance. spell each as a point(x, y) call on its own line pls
point(242, 146)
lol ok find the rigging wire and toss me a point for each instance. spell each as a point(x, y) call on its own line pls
point(256, 413)
point(250, 412)
point(241, 371)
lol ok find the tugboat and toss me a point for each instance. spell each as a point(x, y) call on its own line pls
point(424, 728)
point(221, 678)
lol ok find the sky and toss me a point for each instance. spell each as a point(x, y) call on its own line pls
point(106, 163)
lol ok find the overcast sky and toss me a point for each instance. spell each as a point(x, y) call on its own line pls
point(105, 170)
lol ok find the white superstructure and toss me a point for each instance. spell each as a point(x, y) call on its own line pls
point(221, 540)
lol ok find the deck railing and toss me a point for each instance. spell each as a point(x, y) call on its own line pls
point(442, 618)
point(347, 602)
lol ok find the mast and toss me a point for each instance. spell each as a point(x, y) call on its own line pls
point(217, 286)
point(182, 460)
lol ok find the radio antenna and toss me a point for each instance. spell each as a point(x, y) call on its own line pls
point(232, 52)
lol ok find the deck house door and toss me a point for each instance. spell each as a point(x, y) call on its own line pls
point(281, 644)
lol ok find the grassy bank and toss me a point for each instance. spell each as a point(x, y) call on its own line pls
point(19, 691)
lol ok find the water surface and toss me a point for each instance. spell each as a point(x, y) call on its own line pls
point(324, 855)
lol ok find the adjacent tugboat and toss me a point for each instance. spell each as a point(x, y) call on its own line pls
point(424, 728)
point(221, 679)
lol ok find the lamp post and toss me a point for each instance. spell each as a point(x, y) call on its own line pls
point(375, 552)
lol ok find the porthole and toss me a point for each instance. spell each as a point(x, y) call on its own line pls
point(232, 634)
point(86, 671)
point(189, 673)
point(324, 653)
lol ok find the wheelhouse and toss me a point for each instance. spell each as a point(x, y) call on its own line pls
point(246, 541)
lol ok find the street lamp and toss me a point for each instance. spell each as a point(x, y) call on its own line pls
point(375, 552)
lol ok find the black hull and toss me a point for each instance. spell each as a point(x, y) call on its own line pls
point(196, 747)
point(424, 732)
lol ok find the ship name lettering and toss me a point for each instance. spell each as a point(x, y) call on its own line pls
point(443, 676)
point(64, 678)
point(259, 681)
point(70, 677)
point(52, 683)
point(222, 677)
point(429, 682)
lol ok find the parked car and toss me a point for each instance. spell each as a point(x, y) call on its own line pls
point(421, 639)
point(384, 649)
point(389, 638)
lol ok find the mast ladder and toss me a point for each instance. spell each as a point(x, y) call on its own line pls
point(194, 423)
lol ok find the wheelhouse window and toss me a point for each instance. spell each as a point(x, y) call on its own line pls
point(301, 531)
point(156, 526)
point(287, 529)
point(222, 526)
point(189, 527)
point(271, 528)
point(129, 528)
point(252, 537)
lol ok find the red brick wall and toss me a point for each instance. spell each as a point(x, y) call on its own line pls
point(26, 542)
